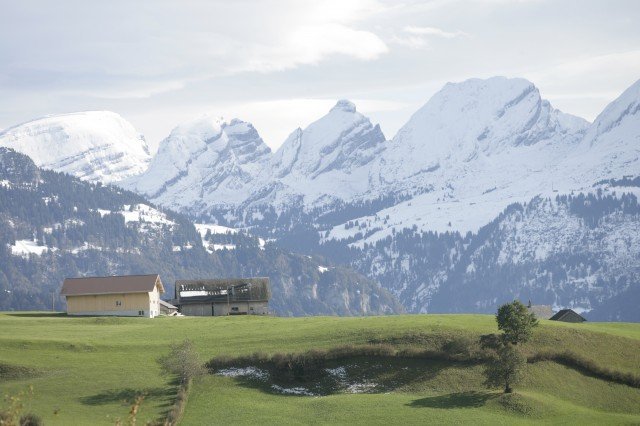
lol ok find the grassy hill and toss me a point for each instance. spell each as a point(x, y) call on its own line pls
point(87, 370)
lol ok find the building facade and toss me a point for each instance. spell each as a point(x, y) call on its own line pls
point(216, 297)
point(130, 295)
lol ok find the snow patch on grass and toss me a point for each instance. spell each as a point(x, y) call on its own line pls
point(292, 391)
point(251, 372)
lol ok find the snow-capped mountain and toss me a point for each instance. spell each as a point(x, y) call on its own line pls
point(93, 145)
point(611, 146)
point(207, 161)
point(330, 159)
point(477, 146)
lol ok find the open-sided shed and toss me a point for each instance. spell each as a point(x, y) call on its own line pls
point(224, 296)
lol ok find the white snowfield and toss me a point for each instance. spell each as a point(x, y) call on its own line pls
point(148, 217)
point(25, 248)
point(91, 145)
point(144, 213)
point(203, 228)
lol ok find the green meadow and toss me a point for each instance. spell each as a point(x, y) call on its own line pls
point(88, 370)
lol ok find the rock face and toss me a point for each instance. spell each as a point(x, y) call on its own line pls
point(202, 162)
point(330, 159)
point(92, 145)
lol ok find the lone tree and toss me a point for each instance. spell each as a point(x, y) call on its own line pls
point(515, 322)
point(505, 369)
point(182, 361)
point(506, 365)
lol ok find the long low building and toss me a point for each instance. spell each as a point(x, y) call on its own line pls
point(226, 296)
point(130, 295)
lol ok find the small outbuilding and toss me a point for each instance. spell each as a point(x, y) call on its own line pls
point(540, 311)
point(226, 296)
point(167, 308)
point(127, 295)
point(568, 315)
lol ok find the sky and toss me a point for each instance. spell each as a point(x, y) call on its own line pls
point(283, 64)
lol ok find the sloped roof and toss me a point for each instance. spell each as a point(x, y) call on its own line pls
point(111, 285)
point(167, 304)
point(541, 311)
point(566, 312)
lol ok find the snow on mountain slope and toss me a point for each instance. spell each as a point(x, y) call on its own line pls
point(207, 161)
point(91, 145)
point(342, 140)
point(474, 148)
point(531, 253)
point(328, 160)
point(465, 120)
point(611, 146)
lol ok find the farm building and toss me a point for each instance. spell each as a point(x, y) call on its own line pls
point(129, 295)
point(568, 315)
point(540, 311)
point(227, 296)
point(167, 308)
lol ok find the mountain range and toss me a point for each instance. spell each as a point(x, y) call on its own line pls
point(481, 157)
point(54, 226)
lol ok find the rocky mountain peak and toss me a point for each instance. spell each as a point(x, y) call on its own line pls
point(344, 105)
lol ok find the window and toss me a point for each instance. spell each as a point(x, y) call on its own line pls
point(234, 309)
point(141, 313)
point(118, 303)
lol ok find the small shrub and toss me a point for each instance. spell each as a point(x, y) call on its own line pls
point(182, 361)
point(30, 419)
point(461, 346)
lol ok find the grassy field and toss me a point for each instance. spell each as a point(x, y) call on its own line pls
point(87, 369)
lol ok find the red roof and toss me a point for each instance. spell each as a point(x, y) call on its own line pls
point(111, 285)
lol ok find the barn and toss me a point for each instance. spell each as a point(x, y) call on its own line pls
point(128, 295)
point(540, 311)
point(226, 296)
point(568, 315)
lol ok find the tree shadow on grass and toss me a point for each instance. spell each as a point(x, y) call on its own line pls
point(454, 400)
point(127, 395)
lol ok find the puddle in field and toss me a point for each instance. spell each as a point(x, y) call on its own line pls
point(357, 376)
point(327, 381)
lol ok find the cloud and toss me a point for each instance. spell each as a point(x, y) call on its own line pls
point(420, 37)
point(309, 45)
point(432, 31)
point(114, 46)
point(585, 85)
